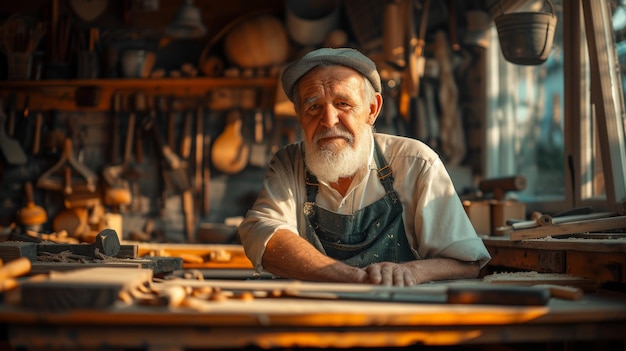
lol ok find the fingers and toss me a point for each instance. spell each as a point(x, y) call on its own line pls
point(409, 279)
point(374, 274)
point(387, 273)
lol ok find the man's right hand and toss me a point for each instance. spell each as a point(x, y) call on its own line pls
point(290, 256)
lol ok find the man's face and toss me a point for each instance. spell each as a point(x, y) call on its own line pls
point(336, 119)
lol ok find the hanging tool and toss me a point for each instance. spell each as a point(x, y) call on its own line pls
point(176, 168)
point(12, 107)
point(199, 154)
point(176, 174)
point(187, 195)
point(68, 166)
point(161, 105)
point(37, 134)
point(206, 177)
point(185, 142)
point(393, 31)
point(230, 152)
point(415, 56)
point(117, 192)
point(130, 171)
point(258, 151)
point(11, 148)
point(53, 137)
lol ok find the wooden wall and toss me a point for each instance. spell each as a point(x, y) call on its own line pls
point(131, 24)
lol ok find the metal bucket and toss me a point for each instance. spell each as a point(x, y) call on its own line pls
point(526, 37)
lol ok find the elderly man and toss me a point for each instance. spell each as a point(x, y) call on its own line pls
point(347, 204)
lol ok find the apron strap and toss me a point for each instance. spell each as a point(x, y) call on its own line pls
point(385, 174)
point(311, 186)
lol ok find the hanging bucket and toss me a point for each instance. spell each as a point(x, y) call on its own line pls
point(526, 37)
point(309, 22)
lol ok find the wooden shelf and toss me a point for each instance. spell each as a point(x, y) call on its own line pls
point(96, 94)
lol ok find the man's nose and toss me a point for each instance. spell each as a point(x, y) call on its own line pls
point(330, 116)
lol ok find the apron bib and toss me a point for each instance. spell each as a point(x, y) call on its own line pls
point(372, 234)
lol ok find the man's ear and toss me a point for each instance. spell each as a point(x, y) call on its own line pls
point(375, 109)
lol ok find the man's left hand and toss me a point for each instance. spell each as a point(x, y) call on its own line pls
point(389, 273)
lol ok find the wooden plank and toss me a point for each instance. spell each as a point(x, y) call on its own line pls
point(48, 267)
point(610, 129)
point(561, 243)
point(210, 255)
point(158, 265)
point(90, 288)
point(551, 261)
point(539, 278)
point(600, 224)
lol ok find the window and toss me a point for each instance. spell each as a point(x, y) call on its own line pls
point(561, 124)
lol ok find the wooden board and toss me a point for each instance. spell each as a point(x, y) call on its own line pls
point(454, 292)
point(537, 278)
point(10, 250)
point(158, 265)
point(90, 288)
point(207, 255)
point(600, 224)
point(559, 243)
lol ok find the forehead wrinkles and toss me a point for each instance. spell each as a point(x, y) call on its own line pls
point(337, 86)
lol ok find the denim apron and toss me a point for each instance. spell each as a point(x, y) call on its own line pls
point(372, 234)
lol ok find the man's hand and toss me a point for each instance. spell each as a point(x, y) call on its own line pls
point(389, 273)
point(419, 271)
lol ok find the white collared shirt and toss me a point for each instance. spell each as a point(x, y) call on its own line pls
point(435, 222)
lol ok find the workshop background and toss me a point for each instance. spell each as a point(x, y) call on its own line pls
point(158, 117)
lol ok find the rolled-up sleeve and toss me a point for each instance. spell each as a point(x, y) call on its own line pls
point(275, 207)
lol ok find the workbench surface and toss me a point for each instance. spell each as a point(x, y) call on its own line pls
point(288, 322)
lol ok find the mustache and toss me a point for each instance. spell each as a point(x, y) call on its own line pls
point(335, 132)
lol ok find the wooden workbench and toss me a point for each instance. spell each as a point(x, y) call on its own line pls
point(597, 321)
point(601, 259)
point(288, 322)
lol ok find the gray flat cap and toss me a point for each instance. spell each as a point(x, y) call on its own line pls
point(342, 56)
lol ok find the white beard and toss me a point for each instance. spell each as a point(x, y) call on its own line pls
point(329, 164)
